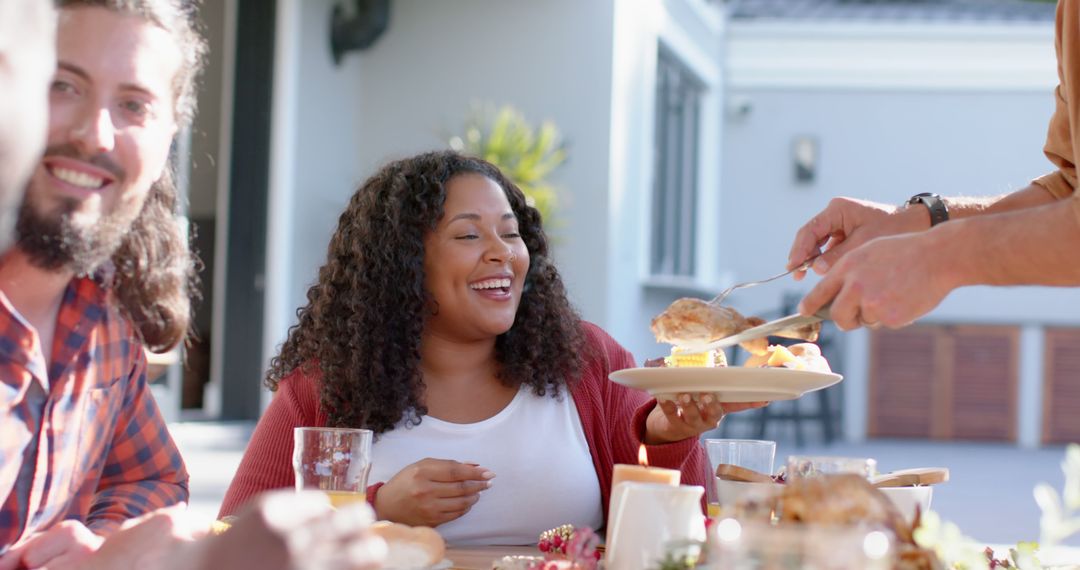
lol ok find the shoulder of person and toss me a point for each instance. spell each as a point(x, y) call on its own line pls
point(98, 301)
point(298, 394)
point(601, 345)
point(304, 381)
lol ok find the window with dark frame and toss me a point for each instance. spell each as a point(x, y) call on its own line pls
point(675, 175)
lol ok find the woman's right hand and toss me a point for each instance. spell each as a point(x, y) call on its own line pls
point(431, 492)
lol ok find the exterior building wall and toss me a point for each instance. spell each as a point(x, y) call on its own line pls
point(883, 146)
point(693, 33)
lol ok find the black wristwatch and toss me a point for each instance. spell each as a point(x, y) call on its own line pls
point(939, 212)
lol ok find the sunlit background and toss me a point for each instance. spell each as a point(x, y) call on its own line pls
point(675, 147)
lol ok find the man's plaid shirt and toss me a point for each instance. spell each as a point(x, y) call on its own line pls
point(86, 440)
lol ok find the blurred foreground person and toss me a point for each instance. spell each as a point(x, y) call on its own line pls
point(887, 265)
point(27, 63)
point(283, 530)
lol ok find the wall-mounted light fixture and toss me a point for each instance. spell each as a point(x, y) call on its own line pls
point(804, 157)
point(358, 30)
point(739, 106)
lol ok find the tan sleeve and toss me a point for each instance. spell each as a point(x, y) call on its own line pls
point(1060, 148)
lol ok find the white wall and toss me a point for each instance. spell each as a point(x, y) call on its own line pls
point(313, 163)
point(882, 146)
point(693, 32)
point(550, 59)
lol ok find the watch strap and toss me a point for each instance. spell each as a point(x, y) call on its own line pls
point(939, 212)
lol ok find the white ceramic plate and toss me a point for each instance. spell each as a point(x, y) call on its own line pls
point(732, 384)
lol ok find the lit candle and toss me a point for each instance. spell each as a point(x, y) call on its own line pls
point(639, 474)
point(643, 473)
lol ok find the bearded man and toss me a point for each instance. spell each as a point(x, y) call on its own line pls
point(100, 268)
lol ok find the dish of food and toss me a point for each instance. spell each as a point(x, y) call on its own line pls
point(728, 384)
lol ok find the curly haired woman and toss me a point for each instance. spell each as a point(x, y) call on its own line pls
point(440, 323)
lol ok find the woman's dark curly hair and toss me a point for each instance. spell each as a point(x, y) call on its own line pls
point(364, 317)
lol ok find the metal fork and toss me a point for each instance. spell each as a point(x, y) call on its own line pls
point(723, 294)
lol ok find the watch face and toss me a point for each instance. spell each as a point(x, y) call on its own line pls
point(939, 212)
point(919, 198)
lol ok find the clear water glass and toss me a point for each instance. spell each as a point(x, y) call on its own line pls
point(799, 466)
point(756, 454)
point(336, 461)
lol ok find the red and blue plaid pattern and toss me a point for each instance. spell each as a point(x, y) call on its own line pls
point(86, 441)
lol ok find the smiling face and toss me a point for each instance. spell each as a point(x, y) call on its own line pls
point(111, 124)
point(474, 261)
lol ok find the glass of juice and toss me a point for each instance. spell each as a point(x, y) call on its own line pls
point(335, 461)
point(754, 454)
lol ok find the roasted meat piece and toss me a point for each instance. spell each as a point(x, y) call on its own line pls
point(693, 321)
point(690, 321)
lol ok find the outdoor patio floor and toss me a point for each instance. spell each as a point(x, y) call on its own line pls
point(989, 495)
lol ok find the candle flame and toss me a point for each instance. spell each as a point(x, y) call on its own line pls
point(642, 456)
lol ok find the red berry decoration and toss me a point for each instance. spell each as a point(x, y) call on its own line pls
point(576, 546)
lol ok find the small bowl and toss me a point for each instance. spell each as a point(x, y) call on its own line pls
point(746, 500)
point(908, 499)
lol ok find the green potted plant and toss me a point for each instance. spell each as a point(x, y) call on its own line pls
point(527, 154)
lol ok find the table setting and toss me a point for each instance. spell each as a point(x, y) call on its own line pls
point(652, 525)
point(812, 513)
point(753, 513)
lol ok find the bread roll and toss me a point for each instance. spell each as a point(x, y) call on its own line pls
point(409, 547)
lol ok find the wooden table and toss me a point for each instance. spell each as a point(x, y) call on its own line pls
point(481, 557)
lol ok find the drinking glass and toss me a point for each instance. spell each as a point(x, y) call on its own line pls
point(755, 454)
point(335, 461)
point(814, 465)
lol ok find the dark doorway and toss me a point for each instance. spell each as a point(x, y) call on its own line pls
point(242, 359)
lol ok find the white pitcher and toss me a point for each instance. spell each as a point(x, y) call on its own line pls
point(647, 517)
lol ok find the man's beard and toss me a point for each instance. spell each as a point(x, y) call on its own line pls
point(54, 242)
